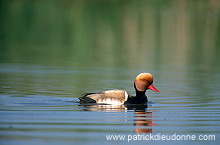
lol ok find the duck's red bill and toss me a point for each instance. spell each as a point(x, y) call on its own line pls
point(153, 88)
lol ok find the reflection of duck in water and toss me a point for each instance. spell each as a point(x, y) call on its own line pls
point(142, 82)
point(142, 118)
point(143, 121)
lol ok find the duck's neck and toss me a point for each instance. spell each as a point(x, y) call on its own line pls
point(139, 93)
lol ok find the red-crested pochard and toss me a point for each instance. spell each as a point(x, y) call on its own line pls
point(142, 82)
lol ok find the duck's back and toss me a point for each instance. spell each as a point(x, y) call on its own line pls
point(105, 97)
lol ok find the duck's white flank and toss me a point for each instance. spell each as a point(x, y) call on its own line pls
point(118, 97)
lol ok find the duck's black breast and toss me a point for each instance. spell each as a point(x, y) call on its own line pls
point(136, 100)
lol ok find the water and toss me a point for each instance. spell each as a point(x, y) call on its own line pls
point(39, 105)
point(52, 52)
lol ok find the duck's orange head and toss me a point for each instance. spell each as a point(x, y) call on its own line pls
point(144, 81)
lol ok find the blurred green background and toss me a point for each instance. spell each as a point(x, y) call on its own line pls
point(114, 33)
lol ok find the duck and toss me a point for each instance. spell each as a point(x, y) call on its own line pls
point(143, 82)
